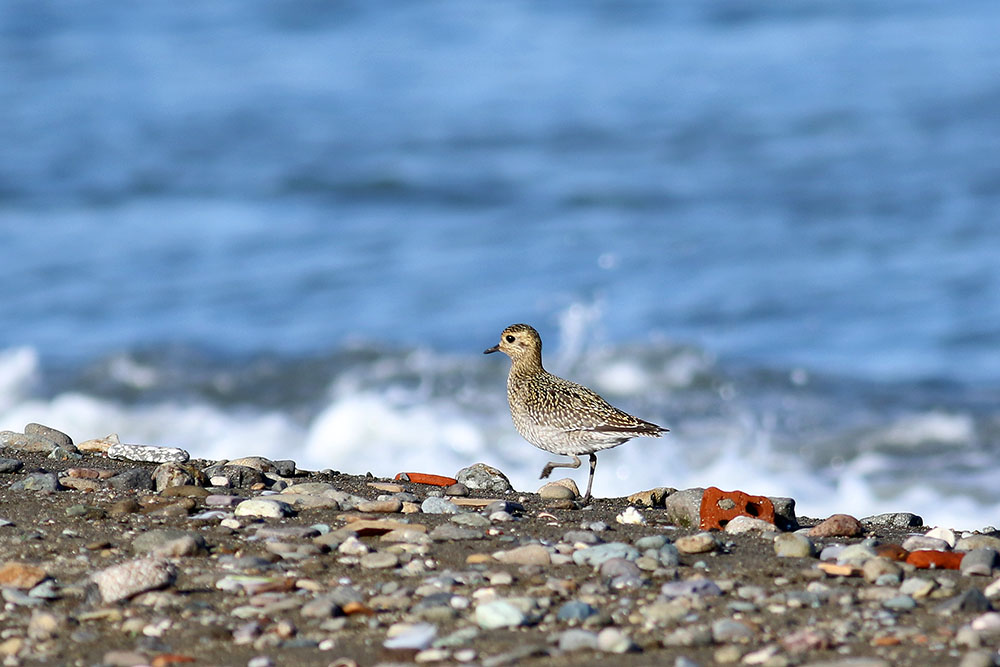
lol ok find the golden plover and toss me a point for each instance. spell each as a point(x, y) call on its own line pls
point(557, 415)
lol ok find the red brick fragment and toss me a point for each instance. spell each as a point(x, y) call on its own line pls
point(718, 507)
point(930, 559)
point(424, 478)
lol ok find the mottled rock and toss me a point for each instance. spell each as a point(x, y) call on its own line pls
point(148, 453)
point(892, 520)
point(484, 478)
point(838, 525)
point(10, 465)
point(917, 587)
point(121, 582)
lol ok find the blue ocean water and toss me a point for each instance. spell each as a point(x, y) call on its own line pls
point(291, 230)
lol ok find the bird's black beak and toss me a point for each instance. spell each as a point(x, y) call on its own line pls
point(492, 349)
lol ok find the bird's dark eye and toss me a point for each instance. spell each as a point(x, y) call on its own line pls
point(510, 339)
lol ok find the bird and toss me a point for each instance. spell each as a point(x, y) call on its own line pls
point(557, 415)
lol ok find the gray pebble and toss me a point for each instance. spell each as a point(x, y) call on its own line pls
point(451, 531)
point(581, 537)
point(971, 600)
point(10, 465)
point(971, 542)
point(134, 479)
point(435, 505)
point(613, 640)
point(651, 542)
point(58, 437)
point(121, 582)
point(148, 453)
point(920, 542)
point(238, 476)
point(690, 588)
point(616, 568)
point(668, 555)
point(696, 635)
point(856, 554)
point(411, 636)
point(577, 639)
point(379, 560)
point(499, 614)
point(470, 520)
point(44, 482)
point(27, 443)
point(575, 611)
point(284, 467)
point(169, 543)
point(729, 631)
point(683, 508)
point(596, 555)
point(979, 561)
point(508, 506)
point(900, 603)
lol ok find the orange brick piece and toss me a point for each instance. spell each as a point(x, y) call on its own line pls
point(424, 478)
point(718, 507)
point(929, 559)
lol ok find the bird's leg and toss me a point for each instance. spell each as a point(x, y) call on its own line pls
point(547, 470)
point(590, 480)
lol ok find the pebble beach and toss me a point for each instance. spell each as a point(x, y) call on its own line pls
point(121, 555)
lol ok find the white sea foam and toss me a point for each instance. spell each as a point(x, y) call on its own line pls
point(397, 425)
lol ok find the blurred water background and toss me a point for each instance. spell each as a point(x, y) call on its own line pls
point(290, 229)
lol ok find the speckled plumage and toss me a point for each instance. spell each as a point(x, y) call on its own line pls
point(557, 415)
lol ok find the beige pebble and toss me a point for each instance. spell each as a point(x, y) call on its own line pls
point(696, 544)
